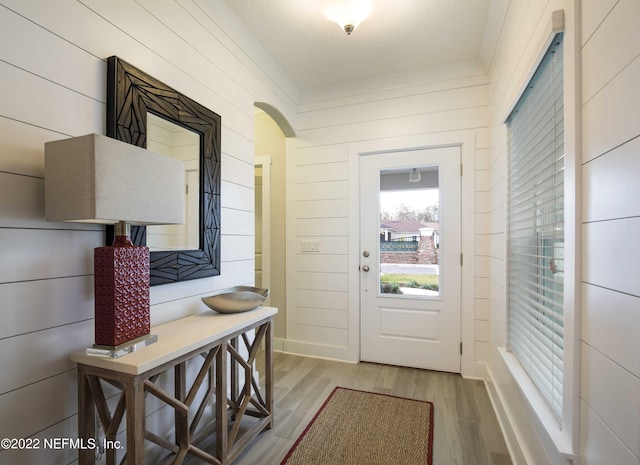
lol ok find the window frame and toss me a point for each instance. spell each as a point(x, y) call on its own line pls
point(564, 435)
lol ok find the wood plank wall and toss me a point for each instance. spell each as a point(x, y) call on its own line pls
point(53, 81)
point(609, 389)
point(447, 102)
point(610, 347)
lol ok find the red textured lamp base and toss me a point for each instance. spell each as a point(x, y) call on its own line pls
point(122, 310)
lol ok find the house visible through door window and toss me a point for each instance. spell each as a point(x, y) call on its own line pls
point(409, 231)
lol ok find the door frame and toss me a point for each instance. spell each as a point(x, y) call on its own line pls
point(467, 142)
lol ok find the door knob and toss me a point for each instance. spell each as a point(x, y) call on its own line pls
point(365, 268)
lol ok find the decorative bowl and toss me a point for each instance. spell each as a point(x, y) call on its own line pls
point(236, 299)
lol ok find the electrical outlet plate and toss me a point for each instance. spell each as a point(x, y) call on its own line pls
point(310, 246)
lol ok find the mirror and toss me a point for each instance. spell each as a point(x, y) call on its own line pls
point(138, 105)
point(174, 141)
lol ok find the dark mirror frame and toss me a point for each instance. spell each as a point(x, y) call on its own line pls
point(131, 94)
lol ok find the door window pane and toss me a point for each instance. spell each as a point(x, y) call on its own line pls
point(409, 231)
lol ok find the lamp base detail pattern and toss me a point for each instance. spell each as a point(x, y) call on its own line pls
point(122, 309)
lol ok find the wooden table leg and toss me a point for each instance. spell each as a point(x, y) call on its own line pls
point(221, 404)
point(268, 376)
point(134, 392)
point(181, 427)
point(86, 419)
point(234, 383)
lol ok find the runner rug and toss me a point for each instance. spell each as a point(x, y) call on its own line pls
point(365, 428)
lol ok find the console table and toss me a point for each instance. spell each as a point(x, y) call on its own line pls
point(225, 379)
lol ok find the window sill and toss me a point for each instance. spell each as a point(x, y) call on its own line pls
point(540, 411)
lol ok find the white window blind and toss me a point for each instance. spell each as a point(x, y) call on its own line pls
point(536, 228)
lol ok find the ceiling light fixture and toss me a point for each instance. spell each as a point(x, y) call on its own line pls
point(414, 175)
point(348, 14)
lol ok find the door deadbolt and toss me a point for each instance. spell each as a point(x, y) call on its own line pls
point(365, 254)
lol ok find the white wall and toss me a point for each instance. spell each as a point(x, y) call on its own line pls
point(608, 428)
point(53, 81)
point(446, 105)
point(610, 347)
point(271, 142)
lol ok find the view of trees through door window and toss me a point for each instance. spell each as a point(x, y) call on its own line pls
point(409, 233)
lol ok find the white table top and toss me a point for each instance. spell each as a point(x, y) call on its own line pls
point(177, 338)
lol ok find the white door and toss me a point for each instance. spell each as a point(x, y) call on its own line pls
point(411, 240)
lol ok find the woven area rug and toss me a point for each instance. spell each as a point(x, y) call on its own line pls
point(365, 428)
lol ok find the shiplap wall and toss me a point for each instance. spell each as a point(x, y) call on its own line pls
point(521, 43)
point(53, 81)
point(448, 103)
point(610, 347)
point(609, 388)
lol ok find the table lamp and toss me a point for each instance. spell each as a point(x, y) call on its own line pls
point(97, 179)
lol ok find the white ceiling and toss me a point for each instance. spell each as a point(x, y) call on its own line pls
point(399, 36)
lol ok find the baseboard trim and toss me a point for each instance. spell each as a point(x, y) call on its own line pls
point(475, 370)
point(510, 436)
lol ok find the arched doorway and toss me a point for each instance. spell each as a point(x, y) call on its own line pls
point(271, 129)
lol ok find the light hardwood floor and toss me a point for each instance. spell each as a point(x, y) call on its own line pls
point(466, 431)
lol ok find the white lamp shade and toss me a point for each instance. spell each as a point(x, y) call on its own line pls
point(98, 179)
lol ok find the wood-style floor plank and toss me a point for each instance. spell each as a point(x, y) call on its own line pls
point(466, 431)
